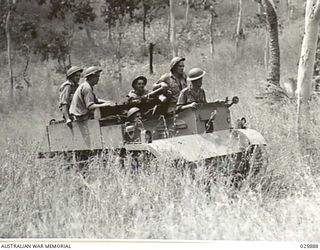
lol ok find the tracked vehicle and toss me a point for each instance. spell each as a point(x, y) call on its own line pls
point(193, 135)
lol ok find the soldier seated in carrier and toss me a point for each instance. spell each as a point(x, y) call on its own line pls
point(139, 94)
point(191, 96)
point(133, 126)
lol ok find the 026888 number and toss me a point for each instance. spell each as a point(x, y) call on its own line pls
point(309, 246)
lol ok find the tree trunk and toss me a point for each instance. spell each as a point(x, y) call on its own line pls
point(118, 56)
point(290, 9)
point(272, 26)
point(109, 31)
point(119, 59)
point(259, 2)
point(8, 35)
point(144, 22)
point(187, 13)
point(169, 25)
point(239, 25)
point(212, 16)
point(259, 9)
point(25, 71)
point(306, 68)
point(173, 36)
point(266, 53)
point(151, 45)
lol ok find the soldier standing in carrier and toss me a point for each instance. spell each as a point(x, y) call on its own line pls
point(194, 94)
point(84, 100)
point(67, 90)
point(139, 93)
point(176, 80)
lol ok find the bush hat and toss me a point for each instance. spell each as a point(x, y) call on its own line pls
point(175, 61)
point(91, 70)
point(134, 82)
point(72, 70)
point(132, 111)
point(195, 74)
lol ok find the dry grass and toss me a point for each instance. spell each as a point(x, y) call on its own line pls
point(45, 199)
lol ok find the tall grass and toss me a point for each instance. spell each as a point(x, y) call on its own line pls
point(46, 198)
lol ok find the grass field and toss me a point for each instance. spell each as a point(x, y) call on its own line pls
point(43, 199)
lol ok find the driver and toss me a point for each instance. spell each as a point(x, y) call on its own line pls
point(134, 126)
point(193, 94)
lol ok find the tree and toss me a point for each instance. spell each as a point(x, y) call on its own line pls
point(213, 15)
point(146, 11)
point(239, 30)
point(173, 34)
point(187, 12)
point(306, 68)
point(11, 5)
point(208, 5)
point(118, 14)
point(273, 39)
point(291, 8)
point(69, 13)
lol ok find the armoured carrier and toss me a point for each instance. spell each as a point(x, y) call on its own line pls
point(193, 135)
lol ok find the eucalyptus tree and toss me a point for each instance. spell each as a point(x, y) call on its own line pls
point(306, 68)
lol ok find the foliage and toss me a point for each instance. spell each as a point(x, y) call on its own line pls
point(47, 40)
point(116, 10)
point(148, 10)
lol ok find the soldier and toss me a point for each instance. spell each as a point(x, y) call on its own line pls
point(194, 94)
point(84, 100)
point(176, 80)
point(134, 116)
point(139, 93)
point(67, 90)
point(134, 125)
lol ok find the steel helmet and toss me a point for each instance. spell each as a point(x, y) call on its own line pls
point(195, 74)
point(91, 70)
point(132, 111)
point(175, 61)
point(134, 82)
point(73, 69)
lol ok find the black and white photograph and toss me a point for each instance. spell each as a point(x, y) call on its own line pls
point(159, 121)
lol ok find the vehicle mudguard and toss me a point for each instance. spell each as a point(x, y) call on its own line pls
point(201, 146)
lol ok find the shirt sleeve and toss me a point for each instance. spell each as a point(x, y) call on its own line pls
point(88, 97)
point(65, 96)
point(164, 78)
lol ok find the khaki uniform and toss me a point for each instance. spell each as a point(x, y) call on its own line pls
point(175, 85)
point(67, 90)
point(83, 98)
point(188, 95)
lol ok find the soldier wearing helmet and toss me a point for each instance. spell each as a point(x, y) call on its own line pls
point(139, 93)
point(134, 125)
point(134, 115)
point(193, 94)
point(84, 100)
point(67, 90)
point(174, 81)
